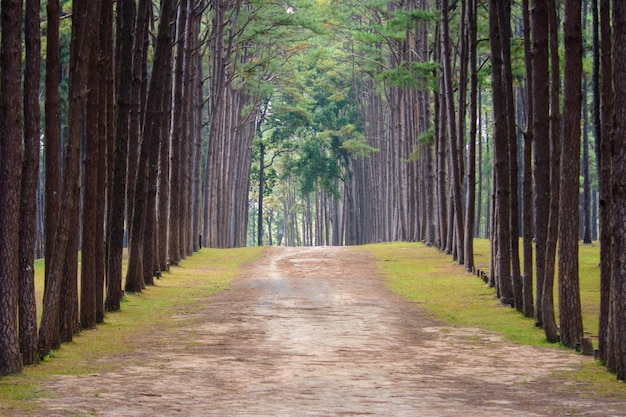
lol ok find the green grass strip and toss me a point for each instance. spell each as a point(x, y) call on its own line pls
point(181, 289)
point(441, 287)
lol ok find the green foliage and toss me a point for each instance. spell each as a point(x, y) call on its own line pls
point(358, 147)
point(400, 76)
point(427, 137)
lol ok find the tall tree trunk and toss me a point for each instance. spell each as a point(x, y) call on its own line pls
point(30, 174)
point(163, 191)
point(507, 78)
point(11, 157)
point(197, 135)
point(69, 323)
point(106, 138)
point(604, 164)
point(527, 186)
point(501, 156)
point(261, 192)
point(471, 154)
point(479, 193)
point(452, 134)
point(618, 188)
point(547, 303)
point(586, 203)
point(52, 156)
point(90, 182)
point(124, 45)
point(586, 208)
point(569, 291)
point(63, 266)
point(145, 192)
point(177, 136)
point(186, 166)
point(541, 139)
point(616, 346)
point(440, 149)
point(140, 55)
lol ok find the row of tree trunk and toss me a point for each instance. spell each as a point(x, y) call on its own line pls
point(147, 179)
point(424, 189)
point(135, 117)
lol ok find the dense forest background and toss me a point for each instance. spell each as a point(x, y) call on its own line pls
point(165, 126)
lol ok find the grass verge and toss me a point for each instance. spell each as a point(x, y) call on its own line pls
point(181, 289)
point(435, 282)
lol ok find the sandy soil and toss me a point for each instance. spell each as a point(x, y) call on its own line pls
point(313, 332)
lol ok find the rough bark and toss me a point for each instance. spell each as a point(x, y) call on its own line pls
point(585, 162)
point(115, 232)
point(198, 92)
point(440, 151)
point(604, 163)
point(186, 166)
point(569, 292)
point(547, 303)
point(452, 134)
point(504, 16)
point(135, 127)
point(11, 157)
point(30, 174)
point(163, 191)
point(90, 181)
point(52, 150)
point(502, 245)
point(105, 138)
point(141, 251)
point(178, 134)
point(616, 349)
point(63, 266)
point(541, 141)
point(527, 186)
point(471, 154)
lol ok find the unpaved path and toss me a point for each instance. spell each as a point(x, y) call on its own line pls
point(313, 332)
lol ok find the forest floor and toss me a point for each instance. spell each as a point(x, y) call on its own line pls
point(314, 332)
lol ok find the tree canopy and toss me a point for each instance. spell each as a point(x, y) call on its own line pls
point(172, 125)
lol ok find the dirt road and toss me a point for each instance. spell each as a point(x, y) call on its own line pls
point(313, 332)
